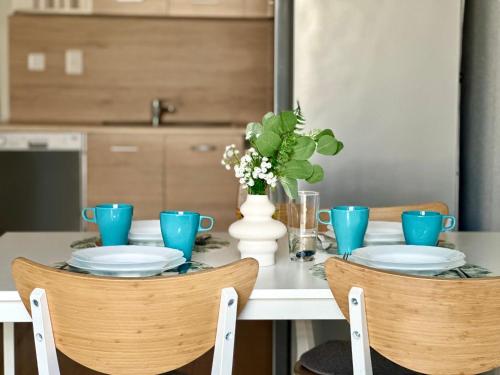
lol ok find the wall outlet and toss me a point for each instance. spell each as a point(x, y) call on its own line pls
point(36, 62)
point(74, 61)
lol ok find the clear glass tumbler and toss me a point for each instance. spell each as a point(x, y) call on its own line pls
point(303, 226)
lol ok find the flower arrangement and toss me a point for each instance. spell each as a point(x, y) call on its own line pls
point(280, 149)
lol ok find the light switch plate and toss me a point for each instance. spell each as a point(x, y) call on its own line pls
point(36, 62)
point(74, 62)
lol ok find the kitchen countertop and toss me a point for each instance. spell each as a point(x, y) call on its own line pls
point(121, 129)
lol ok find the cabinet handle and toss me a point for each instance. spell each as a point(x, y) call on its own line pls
point(124, 149)
point(203, 148)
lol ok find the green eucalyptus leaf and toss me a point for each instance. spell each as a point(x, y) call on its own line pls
point(304, 148)
point(288, 121)
point(339, 148)
point(301, 169)
point(272, 123)
point(324, 132)
point(291, 187)
point(317, 174)
point(267, 117)
point(254, 129)
point(327, 145)
point(268, 143)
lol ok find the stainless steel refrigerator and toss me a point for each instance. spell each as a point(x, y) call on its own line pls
point(384, 75)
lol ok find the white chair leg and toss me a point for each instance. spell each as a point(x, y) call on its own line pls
point(8, 349)
point(46, 355)
point(304, 336)
point(360, 345)
point(226, 329)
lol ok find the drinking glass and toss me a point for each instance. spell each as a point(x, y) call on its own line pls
point(303, 226)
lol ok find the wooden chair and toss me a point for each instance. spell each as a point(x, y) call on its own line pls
point(429, 325)
point(134, 326)
point(393, 213)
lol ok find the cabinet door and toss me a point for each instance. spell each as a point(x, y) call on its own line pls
point(126, 168)
point(221, 8)
point(196, 180)
point(138, 7)
point(259, 8)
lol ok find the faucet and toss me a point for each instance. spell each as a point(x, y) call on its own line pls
point(158, 108)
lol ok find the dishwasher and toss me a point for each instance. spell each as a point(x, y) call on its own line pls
point(42, 181)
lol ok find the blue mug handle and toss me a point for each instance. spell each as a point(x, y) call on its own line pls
point(86, 218)
point(447, 228)
point(204, 229)
point(329, 222)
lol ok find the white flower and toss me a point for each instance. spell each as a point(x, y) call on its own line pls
point(251, 182)
point(265, 158)
point(228, 167)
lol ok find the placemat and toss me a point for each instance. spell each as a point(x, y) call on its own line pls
point(468, 270)
point(203, 244)
point(329, 244)
point(188, 267)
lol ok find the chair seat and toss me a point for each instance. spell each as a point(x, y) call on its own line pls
point(335, 358)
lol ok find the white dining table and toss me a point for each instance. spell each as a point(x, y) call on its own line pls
point(285, 291)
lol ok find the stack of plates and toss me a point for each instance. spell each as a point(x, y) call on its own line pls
point(380, 232)
point(146, 233)
point(126, 261)
point(420, 260)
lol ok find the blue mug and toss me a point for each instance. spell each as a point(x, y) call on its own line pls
point(349, 224)
point(114, 221)
point(179, 229)
point(424, 227)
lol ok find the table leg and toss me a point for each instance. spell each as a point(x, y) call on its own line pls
point(8, 349)
point(281, 347)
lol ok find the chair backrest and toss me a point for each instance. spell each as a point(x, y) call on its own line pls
point(429, 325)
point(393, 213)
point(134, 326)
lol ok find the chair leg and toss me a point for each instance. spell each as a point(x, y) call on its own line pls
point(361, 360)
point(46, 356)
point(226, 327)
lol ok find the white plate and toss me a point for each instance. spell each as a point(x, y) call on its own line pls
point(127, 257)
point(145, 230)
point(409, 257)
point(131, 273)
point(380, 231)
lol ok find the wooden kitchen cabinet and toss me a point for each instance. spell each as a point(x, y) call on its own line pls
point(195, 179)
point(126, 168)
point(132, 8)
point(221, 8)
point(154, 8)
point(163, 171)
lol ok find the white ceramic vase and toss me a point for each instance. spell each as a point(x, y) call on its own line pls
point(258, 231)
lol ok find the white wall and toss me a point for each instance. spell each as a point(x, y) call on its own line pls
point(5, 6)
